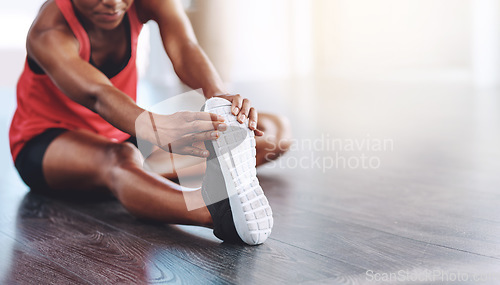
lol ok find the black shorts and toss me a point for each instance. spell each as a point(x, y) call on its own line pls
point(29, 160)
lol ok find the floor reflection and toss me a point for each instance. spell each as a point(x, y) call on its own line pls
point(51, 242)
point(55, 245)
point(213, 260)
point(25, 264)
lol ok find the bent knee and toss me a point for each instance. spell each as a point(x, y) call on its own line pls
point(285, 133)
point(124, 155)
point(277, 138)
point(121, 160)
point(278, 133)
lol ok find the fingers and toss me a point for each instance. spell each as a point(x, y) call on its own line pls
point(245, 109)
point(202, 121)
point(258, 132)
point(185, 145)
point(203, 116)
point(237, 101)
point(194, 151)
point(242, 109)
point(203, 126)
point(252, 119)
point(252, 122)
point(198, 137)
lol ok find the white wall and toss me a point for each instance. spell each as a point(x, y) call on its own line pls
point(255, 39)
point(486, 42)
point(251, 40)
point(366, 36)
point(271, 39)
point(15, 20)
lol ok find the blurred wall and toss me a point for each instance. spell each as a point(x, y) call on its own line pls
point(251, 40)
point(263, 39)
point(366, 36)
point(486, 42)
point(255, 40)
point(15, 20)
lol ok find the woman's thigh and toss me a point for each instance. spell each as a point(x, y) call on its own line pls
point(82, 160)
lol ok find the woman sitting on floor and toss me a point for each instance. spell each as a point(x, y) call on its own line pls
point(75, 124)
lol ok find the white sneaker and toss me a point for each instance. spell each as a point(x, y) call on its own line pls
point(231, 190)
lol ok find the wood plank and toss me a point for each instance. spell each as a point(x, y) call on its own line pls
point(273, 262)
point(471, 224)
point(20, 265)
point(432, 205)
point(98, 253)
point(376, 250)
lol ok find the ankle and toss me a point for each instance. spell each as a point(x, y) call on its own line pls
point(206, 218)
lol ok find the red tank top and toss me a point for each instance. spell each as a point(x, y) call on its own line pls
point(41, 105)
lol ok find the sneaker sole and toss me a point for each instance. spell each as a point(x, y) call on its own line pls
point(235, 152)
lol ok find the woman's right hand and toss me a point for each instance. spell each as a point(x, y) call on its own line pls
point(177, 133)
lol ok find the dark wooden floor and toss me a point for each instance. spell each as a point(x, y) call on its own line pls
point(428, 208)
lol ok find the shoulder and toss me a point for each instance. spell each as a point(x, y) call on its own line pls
point(157, 10)
point(49, 18)
point(49, 27)
point(145, 9)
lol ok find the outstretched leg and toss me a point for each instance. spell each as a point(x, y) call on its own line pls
point(83, 161)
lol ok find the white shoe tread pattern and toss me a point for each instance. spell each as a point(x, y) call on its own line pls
point(241, 162)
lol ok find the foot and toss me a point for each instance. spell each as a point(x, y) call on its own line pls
point(240, 211)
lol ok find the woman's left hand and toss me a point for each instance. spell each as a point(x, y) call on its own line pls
point(242, 110)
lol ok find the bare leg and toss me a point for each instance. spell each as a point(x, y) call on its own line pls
point(171, 165)
point(275, 142)
point(83, 161)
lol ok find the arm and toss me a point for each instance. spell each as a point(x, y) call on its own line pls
point(52, 45)
point(55, 49)
point(190, 62)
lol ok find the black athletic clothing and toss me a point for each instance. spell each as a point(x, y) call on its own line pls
point(30, 159)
